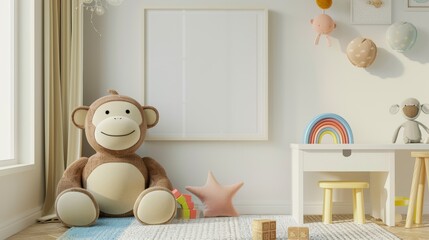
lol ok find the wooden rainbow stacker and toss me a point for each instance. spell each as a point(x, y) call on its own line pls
point(187, 210)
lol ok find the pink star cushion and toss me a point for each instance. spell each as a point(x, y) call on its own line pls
point(216, 198)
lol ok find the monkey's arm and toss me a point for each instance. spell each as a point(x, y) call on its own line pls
point(156, 204)
point(395, 134)
point(72, 176)
point(423, 126)
point(157, 175)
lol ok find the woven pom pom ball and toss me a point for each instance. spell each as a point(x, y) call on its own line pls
point(401, 36)
point(361, 52)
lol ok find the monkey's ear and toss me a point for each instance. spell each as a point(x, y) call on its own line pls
point(425, 108)
point(394, 109)
point(79, 115)
point(151, 115)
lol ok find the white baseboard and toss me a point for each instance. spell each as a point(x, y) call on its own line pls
point(337, 208)
point(20, 222)
point(309, 208)
point(263, 209)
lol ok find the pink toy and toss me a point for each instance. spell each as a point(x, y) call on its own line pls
point(323, 24)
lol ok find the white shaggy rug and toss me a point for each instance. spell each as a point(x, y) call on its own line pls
point(223, 228)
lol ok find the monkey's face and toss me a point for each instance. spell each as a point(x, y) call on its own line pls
point(117, 125)
point(411, 111)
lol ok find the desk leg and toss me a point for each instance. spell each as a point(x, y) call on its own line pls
point(297, 188)
point(390, 185)
point(382, 191)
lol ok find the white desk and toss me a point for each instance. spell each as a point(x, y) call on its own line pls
point(378, 160)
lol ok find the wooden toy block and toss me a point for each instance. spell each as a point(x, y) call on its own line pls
point(298, 233)
point(304, 233)
point(293, 232)
point(268, 235)
point(263, 225)
point(273, 225)
point(273, 235)
point(258, 235)
point(263, 229)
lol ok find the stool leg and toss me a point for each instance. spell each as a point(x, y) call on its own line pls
point(359, 211)
point(327, 206)
point(427, 169)
point(413, 192)
point(420, 194)
point(354, 205)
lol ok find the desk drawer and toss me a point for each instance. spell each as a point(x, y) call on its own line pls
point(347, 160)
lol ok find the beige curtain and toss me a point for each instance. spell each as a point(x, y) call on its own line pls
point(63, 91)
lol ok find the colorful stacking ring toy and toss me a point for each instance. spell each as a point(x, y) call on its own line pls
point(328, 124)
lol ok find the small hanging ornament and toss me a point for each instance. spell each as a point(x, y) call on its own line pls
point(361, 52)
point(401, 36)
point(324, 4)
point(323, 24)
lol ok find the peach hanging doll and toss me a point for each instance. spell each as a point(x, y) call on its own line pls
point(323, 24)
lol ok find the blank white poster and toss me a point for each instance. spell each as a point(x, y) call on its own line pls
point(206, 73)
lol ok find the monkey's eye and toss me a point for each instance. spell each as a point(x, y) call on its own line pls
point(127, 111)
point(107, 112)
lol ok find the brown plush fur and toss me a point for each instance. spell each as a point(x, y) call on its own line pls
point(72, 177)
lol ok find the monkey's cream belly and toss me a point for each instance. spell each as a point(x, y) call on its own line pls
point(115, 187)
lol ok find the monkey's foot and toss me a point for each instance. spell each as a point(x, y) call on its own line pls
point(76, 207)
point(155, 205)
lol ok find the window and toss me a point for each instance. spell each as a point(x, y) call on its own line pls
point(21, 106)
point(7, 87)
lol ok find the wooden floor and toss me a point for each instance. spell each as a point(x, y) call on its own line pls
point(47, 231)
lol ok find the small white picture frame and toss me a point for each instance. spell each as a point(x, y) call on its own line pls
point(363, 12)
point(416, 5)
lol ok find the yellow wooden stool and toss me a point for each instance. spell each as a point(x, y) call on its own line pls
point(358, 201)
point(417, 188)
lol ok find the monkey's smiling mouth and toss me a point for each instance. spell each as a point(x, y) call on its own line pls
point(120, 135)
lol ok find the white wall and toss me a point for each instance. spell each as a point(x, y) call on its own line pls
point(305, 80)
point(22, 187)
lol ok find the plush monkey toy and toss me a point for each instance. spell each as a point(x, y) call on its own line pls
point(411, 110)
point(115, 181)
